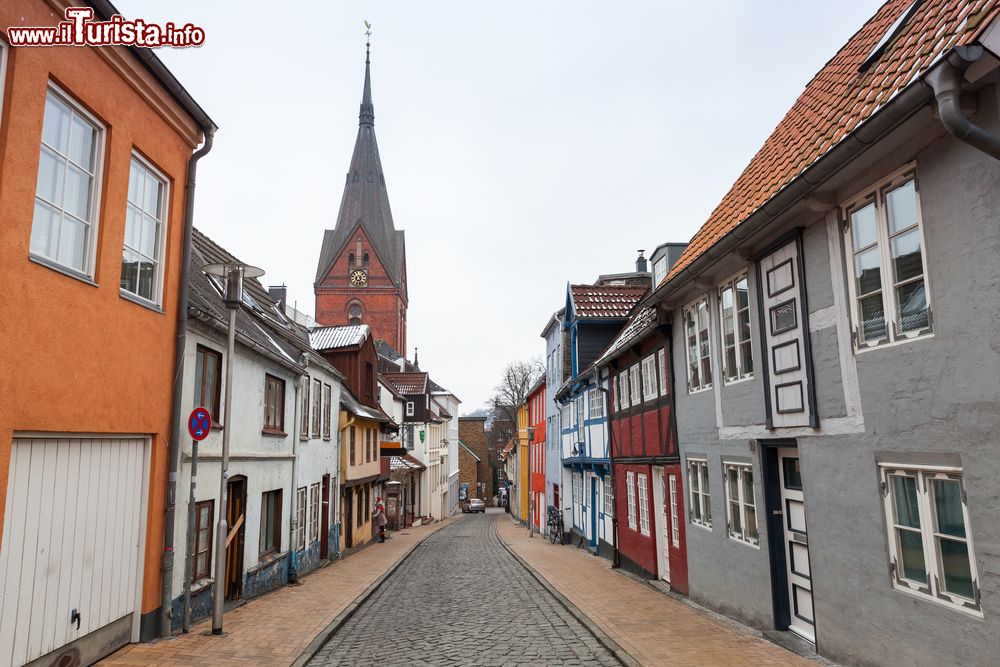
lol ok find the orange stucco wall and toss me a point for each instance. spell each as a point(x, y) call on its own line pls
point(78, 358)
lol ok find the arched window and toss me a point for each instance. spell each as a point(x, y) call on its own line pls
point(350, 261)
point(365, 262)
point(354, 312)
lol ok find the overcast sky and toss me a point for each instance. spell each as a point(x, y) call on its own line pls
point(525, 144)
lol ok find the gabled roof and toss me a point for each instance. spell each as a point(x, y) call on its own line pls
point(408, 462)
point(466, 448)
point(641, 322)
point(332, 338)
point(839, 99)
point(408, 383)
point(390, 386)
point(365, 201)
point(599, 302)
point(556, 318)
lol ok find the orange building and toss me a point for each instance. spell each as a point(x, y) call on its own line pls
point(96, 146)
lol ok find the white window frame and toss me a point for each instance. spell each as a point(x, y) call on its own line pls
point(609, 495)
point(661, 356)
point(692, 309)
point(622, 386)
point(580, 421)
point(635, 384)
point(301, 516)
point(731, 376)
point(877, 194)
point(675, 529)
point(932, 590)
point(161, 240)
point(742, 503)
point(659, 270)
point(642, 482)
point(650, 390)
point(409, 408)
point(94, 213)
point(630, 484)
point(313, 512)
point(698, 497)
point(596, 403)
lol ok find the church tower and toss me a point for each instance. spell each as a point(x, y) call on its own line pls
point(361, 275)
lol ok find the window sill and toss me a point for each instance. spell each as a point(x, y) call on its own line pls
point(274, 434)
point(755, 545)
point(975, 613)
point(703, 526)
point(730, 383)
point(59, 268)
point(895, 343)
point(138, 300)
point(701, 390)
point(201, 584)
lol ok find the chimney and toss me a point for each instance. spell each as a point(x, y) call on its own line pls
point(279, 293)
point(640, 263)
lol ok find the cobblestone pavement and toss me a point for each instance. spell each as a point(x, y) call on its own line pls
point(462, 599)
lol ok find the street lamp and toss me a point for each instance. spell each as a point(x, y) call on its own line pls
point(531, 494)
point(232, 275)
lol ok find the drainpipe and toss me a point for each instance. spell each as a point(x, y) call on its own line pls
point(293, 560)
point(946, 82)
point(174, 449)
point(616, 561)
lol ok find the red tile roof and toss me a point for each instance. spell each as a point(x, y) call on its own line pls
point(408, 383)
point(605, 301)
point(839, 99)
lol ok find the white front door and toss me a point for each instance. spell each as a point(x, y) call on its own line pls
point(71, 559)
point(796, 541)
point(662, 525)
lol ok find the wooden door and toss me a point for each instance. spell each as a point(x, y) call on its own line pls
point(662, 525)
point(236, 508)
point(796, 543)
point(348, 522)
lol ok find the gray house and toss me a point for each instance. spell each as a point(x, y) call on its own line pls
point(837, 361)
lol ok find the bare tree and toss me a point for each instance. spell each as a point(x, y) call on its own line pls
point(518, 378)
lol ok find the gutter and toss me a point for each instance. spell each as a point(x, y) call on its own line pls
point(946, 82)
point(174, 449)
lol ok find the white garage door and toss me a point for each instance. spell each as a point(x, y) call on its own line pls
point(73, 531)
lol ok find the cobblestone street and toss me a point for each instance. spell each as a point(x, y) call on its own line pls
point(461, 598)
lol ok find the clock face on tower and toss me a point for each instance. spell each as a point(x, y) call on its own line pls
point(359, 278)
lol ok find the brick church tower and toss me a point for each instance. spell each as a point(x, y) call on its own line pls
point(361, 276)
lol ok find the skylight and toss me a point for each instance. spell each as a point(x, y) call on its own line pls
point(890, 34)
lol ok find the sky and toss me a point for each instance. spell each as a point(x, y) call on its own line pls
point(525, 145)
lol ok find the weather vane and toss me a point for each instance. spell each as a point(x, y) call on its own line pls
point(368, 34)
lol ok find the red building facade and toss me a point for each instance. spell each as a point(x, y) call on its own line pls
point(648, 485)
point(536, 421)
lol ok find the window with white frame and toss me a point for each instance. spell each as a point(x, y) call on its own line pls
point(327, 411)
point(741, 506)
point(675, 530)
point(930, 544)
point(578, 487)
point(609, 495)
point(635, 384)
point(884, 240)
point(613, 385)
point(409, 408)
point(314, 512)
point(301, 505)
point(643, 486)
point(661, 357)
point(145, 224)
point(649, 389)
point(579, 419)
point(734, 314)
point(659, 270)
point(596, 403)
point(699, 347)
point(623, 391)
point(67, 194)
point(630, 489)
point(700, 505)
point(317, 407)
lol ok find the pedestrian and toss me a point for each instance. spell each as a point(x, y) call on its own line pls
point(380, 520)
point(496, 500)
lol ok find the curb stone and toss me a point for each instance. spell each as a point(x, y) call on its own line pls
point(338, 622)
point(617, 651)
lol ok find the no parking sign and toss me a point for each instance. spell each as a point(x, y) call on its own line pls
point(199, 423)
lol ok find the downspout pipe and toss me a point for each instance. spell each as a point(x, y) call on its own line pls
point(174, 449)
point(946, 82)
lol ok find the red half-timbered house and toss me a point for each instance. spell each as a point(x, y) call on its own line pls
point(648, 486)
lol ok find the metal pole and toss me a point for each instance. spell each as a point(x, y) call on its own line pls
point(221, 529)
point(189, 555)
point(531, 493)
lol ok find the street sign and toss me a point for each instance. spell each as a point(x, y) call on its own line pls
point(199, 423)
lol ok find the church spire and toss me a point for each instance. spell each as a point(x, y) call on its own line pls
point(367, 116)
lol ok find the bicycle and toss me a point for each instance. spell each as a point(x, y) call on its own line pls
point(555, 525)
